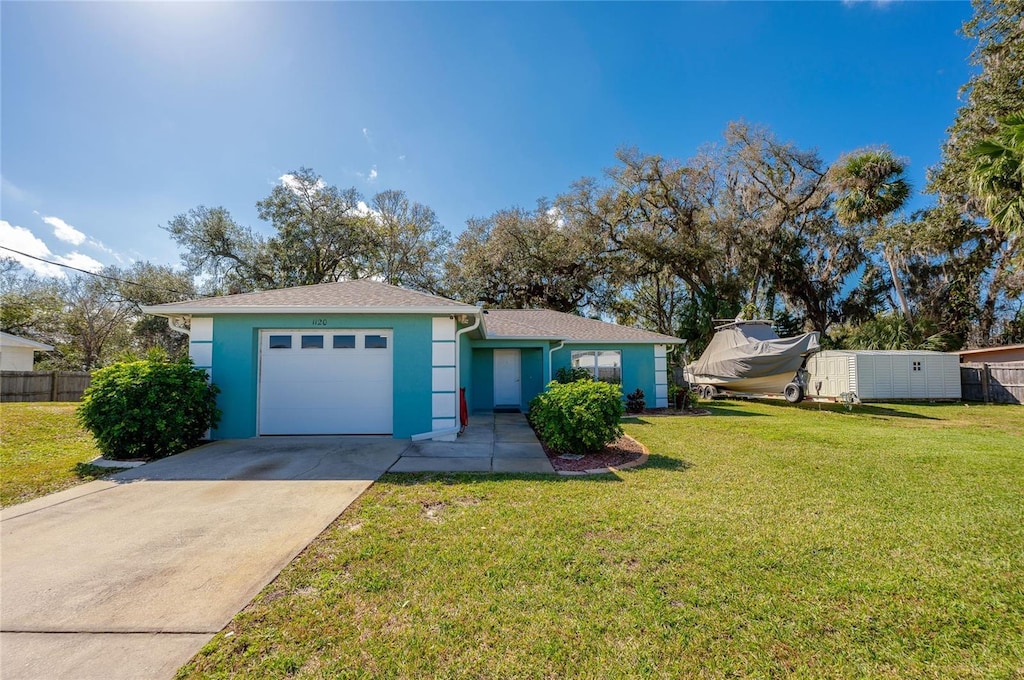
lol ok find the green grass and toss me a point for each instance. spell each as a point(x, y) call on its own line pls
point(43, 449)
point(761, 541)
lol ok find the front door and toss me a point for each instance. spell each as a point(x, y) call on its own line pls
point(506, 378)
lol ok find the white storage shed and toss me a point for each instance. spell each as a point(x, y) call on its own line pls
point(883, 375)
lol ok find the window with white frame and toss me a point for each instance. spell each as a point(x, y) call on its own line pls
point(604, 365)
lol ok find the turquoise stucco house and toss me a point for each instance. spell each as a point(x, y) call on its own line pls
point(363, 357)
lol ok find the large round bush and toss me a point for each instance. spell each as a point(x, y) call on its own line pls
point(149, 408)
point(578, 417)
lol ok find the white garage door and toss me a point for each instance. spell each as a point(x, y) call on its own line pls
point(326, 382)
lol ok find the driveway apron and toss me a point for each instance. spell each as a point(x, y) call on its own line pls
point(128, 577)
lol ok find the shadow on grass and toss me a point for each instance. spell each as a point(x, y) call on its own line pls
point(452, 478)
point(87, 472)
point(877, 410)
point(657, 461)
point(727, 408)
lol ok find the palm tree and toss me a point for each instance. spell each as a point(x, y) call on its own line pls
point(997, 177)
point(872, 186)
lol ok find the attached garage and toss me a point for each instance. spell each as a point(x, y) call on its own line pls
point(327, 382)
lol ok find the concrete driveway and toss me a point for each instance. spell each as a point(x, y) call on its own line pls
point(130, 576)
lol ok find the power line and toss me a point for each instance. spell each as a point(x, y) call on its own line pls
point(102, 276)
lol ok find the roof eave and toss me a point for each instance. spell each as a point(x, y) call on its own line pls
point(578, 341)
point(160, 310)
point(649, 341)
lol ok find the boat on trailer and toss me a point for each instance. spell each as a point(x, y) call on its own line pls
point(747, 358)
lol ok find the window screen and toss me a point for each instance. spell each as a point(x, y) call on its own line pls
point(280, 342)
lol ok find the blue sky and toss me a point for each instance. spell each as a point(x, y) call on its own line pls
point(118, 116)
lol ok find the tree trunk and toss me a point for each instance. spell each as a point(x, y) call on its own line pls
point(898, 285)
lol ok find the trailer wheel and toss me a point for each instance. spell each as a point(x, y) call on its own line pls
point(709, 392)
point(794, 393)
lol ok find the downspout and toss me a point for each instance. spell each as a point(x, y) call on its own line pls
point(174, 323)
point(458, 378)
point(561, 344)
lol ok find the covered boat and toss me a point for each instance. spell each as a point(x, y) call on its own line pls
point(748, 357)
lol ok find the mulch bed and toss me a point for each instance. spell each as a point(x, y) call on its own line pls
point(671, 412)
point(623, 450)
point(620, 452)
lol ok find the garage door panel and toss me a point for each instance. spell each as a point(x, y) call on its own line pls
point(329, 390)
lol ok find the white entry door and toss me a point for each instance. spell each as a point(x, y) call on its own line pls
point(506, 378)
point(326, 382)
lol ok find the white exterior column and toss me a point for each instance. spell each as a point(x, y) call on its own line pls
point(200, 346)
point(660, 376)
point(443, 378)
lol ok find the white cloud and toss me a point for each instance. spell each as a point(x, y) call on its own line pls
point(292, 182)
point(363, 209)
point(373, 174)
point(23, 240)
point(366, 134)
point(13, 192)
point(64, 231)
point(102, 247)
point(402, 157)
point(80, 261)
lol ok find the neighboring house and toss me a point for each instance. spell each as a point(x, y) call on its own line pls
point(992, 355)
point(363, 357)
point(18, 354)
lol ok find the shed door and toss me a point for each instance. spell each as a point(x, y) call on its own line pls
point(326, 382)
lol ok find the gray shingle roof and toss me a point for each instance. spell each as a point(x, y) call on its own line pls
point(359, 295)
point(366, 296)
point(545, 323)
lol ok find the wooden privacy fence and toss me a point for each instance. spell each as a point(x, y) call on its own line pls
point(997, 383)
point(43, 385)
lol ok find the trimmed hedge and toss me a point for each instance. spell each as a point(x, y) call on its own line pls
point(149, 408)
point(578, 417)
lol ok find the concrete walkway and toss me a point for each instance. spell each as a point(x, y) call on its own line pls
point(498, 442)
point(128, 577)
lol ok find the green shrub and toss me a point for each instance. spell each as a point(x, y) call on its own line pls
point(149, 408)
point(578, 417)
point(682, 396)
point(572, 374)
point(635, 402)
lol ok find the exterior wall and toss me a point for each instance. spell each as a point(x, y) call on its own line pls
point(16, 358)
point(638, 366)
point(891, 376)
point(993, 355)
point(234, 349)
point(481, 398)
point(533, 374)
point(531, 366)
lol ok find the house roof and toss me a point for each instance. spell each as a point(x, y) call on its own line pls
point(8, 340)
point(373, 297)
point(990, 350)
point(361, 295)
point(545, 324)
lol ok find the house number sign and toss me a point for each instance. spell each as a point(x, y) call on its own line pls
point(319, 322)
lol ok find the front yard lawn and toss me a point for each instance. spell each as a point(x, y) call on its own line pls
point(43, 449)
point(764, 540)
